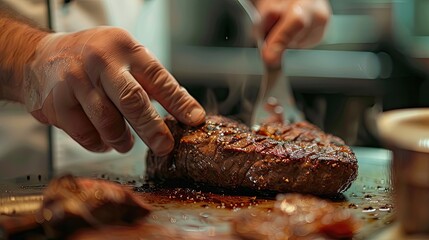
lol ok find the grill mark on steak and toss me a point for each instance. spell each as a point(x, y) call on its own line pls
point(237, 168)
point(187, 153)
point(282, 158)
point(216, 154)
point(242, 142)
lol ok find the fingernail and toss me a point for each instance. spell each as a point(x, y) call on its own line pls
point(162, 144)
point(103, 148)
point(124, 143)
point(108, 149)
point(277, 48)
point(274, 54)
point(196, 116)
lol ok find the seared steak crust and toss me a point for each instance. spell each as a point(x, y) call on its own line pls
point(284, 158)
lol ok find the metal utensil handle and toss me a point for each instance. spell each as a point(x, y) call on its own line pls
point(283, 92)
point(274, 82)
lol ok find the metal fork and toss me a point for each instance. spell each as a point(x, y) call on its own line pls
point(275, 97)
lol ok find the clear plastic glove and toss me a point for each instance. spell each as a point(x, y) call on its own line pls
point(291, 24)
point(87, 83)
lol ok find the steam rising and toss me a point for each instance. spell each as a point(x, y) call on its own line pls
point(239, 101)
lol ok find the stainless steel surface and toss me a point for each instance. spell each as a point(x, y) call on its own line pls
point(24, 145)
point(274, 85)
point(191, 210)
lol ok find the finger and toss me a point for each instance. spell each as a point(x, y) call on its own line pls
point(283, 33)
point(105, 117)
point(134, 103)
point(308, 39)
point(69, 116)
point(319, 22)
point(302, 37)
point(164, 88)
point(271, 13)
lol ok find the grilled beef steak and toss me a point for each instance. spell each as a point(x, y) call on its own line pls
point(283, 158)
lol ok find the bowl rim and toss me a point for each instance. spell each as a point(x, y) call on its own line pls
point(393, 132)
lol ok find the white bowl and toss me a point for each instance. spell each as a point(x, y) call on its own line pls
point(406, 133)
point(405, 128)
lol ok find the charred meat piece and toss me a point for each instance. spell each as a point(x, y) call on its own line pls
point(297, 216)
point(72, 203)
point(282, 158)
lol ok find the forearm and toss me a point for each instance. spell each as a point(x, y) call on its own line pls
point(18, 41)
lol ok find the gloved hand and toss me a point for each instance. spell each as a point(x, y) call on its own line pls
point(291, 24)
point(87, 82)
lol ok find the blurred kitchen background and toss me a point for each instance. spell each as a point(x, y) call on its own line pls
point(368, 62)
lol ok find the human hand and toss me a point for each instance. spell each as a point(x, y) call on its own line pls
point(290, 24)
point(87, 83)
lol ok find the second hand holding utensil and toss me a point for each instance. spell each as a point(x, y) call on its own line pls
point(275, 101)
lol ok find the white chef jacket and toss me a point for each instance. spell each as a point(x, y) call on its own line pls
point(145, 20)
